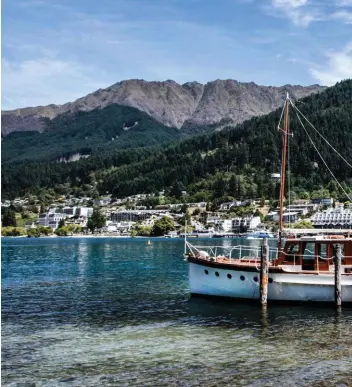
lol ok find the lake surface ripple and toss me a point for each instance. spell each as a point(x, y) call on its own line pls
point(117, 312)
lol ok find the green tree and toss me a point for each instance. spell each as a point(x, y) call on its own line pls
point(163, 226)
point(61, 223)
point(44, 230)
point(177, 189)
point(43, 208)
point(186, 218)
point(34, 209)
point(141, 230)
point(303, 224)
point(62, 231)
point(13, 231)
point(33, 233)
point(9, 218)
point(97, 220)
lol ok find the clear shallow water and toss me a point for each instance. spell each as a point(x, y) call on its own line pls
point(116, 312)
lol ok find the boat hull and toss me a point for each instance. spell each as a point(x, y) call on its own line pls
point(237, 283)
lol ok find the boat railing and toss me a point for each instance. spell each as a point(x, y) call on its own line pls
point(245, 252)
point(238, 252)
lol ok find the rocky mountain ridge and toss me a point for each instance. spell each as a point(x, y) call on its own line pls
point(175, 105)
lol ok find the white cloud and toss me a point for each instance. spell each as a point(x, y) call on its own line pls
point(298, 11)
point(39, 81)
point(289, 3)
point(345, 3)
point(338, 67)
point(343, 15)
point(62, 63)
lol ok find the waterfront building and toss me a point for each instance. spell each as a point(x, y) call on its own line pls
point(245, 222)
point(136, 215)
point(333, 218)
point(302, 209)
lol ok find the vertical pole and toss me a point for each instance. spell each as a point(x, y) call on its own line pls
point(264, 271)
point(185, 238)
point(337, 261)
point(283, 170)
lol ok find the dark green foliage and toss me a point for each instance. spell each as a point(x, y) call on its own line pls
point(97, 220)
point(9, 218)
point(12, 231)
point(162, 226)
point(37, 232)
point(111, 128)
point(235, 162)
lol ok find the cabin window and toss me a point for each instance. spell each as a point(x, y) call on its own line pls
point(292, 254)
point(206, 271)
point(270, 280)
point(242, 278)
point(255, 279)
point(229, 276)
point(308, 257)
point(217, 273)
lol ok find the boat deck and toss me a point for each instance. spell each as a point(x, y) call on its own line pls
point(251, 264)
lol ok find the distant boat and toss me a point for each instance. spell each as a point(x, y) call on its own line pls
point(205, 234)
point(260, 235)
point(300, 269)
point(171, 234)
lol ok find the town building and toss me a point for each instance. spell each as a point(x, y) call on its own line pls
point(136, 215)
point(245, 223)
point(71, 215)
point(287, 217)
point(333, 218)
point(302, 209)
point(323, 201)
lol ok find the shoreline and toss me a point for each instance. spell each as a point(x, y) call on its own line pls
point(70, 236)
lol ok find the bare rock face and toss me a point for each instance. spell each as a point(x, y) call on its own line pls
point(175, 105)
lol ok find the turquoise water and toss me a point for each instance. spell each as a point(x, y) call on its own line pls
point(117, 312)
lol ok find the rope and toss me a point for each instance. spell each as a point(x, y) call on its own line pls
point(282, 114)
point(295, 107)
point(289, 180)
point(322, 159)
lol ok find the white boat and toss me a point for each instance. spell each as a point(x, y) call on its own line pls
point(300, 269)
point(260, 235)
point(205, 234)
point(171, 234)
point(303, 271)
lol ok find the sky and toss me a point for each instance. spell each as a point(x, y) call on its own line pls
point(55, 51)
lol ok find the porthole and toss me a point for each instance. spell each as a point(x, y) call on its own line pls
point(242, 278)
point(255, 279)
point(229, 276)
point(270, 280)
point(217, 273)
point(206, 271)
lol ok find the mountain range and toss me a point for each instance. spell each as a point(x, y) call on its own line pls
point(237, 161)
point(189, 107)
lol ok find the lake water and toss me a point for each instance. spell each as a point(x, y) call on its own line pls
point(117, 312)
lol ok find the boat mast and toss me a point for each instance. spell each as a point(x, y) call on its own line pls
point(283, 170)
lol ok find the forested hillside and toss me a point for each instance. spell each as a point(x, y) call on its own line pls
point(236, 161)
point(111, 128)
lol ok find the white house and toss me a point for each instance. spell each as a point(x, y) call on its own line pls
point(302, 209)
point(287, 217)
point(225, 225)
point(84, 212)
point(248, 222)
